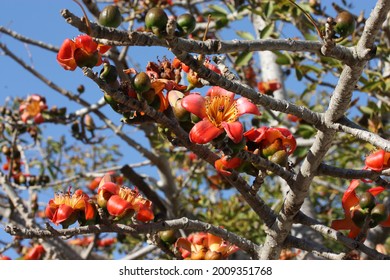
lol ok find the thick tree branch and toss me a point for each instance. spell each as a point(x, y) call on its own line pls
point(123, 38)
point(150, 228)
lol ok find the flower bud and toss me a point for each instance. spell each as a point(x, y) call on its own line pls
point(280, 157)
point(141, 82)
point(358, 216)
point(186, 23)
point(378, 214)
point(367, 201)
point(213, 255)
point(110, 16)
point(156, 20)
point(109, 74)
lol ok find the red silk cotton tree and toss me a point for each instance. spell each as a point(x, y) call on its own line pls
point(184, 140)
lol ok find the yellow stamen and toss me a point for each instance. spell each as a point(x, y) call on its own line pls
point(221, 109)
point(33, 108)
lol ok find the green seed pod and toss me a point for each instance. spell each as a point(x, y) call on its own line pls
point(280, 157)
point(141, 82)
point(186, 23)
point(379, 213)
point(86, 59)
point(110, 16)
point(109, 74)
point(358, 216)
point(156, 20)
point(345, 24)
point(175, 99)
point(168, 236)
point(367, 201)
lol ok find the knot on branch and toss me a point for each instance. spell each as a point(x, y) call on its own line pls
point(366, 54)
point(328, 38)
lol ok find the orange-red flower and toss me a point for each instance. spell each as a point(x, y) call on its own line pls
point(3, 258)
point(34, 253)
point(204, 246)
point(270, 140)
point(96, 181)
point(67, 208)
point(121, 201)
point(32, 108)
point(219, 112)
point(225, 163)
point(82, 51)
point(86, 240)
point(378, 160)
point(269, 87)
point(350, 203)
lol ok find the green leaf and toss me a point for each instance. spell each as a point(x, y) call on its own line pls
point(376, 85)
point(306, 131)
point(298, 73)
point(308, 68)
point(245, 35)
point(267, 31)
point(283, 59)
point(269, 9)
point(243, 58)
point(218, 9)
point(366, 110)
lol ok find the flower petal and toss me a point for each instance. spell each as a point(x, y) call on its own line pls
point(145, 214)
point(87, 43)
point(375, 160)
point(204, 131)
point(65, 55)
point(223, 164)
point(245, 106)
point(376, 190)
point(234, 130)
point(89, 211)
point(256, 135)
point(195, 104)
point(109, 187)
point(184, 247)
point(350, 198)
point(117, 206)
point(386, 223)
point(218, 91)
point(62, 214)
point(51, 209)
point(346, 224)
point(108, 177)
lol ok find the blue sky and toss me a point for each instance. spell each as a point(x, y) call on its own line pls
point(41, 20)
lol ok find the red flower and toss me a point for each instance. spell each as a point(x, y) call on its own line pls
point(121, 201)
point(85, 241)
point(269, 87)
point(96, 181)
point(225, 163)
point(219, 112)
point(34, 253)
point(67, 208)
point(293, 118)
point(378, 160)
point(82, 51)
point(4, 258)
point(32, 108)
point(270, 140)
point(204, 246)
point(350, 202)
